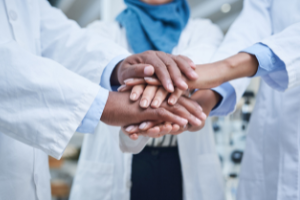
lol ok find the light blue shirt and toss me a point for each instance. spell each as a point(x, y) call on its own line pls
point(92, 117)
point(268, 61)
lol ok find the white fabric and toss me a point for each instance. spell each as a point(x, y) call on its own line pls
point(50, 72)
point(271, 165)
point(202, 177)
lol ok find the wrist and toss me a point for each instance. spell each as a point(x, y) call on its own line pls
point(207, 99)
point(240, 65)
point(114, 80)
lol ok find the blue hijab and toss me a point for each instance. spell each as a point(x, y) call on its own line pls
point(154, 27)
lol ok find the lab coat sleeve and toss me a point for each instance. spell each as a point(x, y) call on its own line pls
point(128, 145)
point(41, 102)
point(252, 25)
point(79, 49)
point(269, 64)
point(286, 46)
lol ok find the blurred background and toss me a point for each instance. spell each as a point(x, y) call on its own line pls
point(230, 131)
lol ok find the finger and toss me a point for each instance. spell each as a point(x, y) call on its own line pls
point(134, 136)
point(192, 64)
point(137, 71)
point(152, 81)
point(160, 96)
point(148, 95)
point(134, 81)
point(183, 112)
point(175, 96)
point(124, 88)
point(193, 107)
point(164, 115)
point(175, 128)
point(147, 125)
point(185, 68)
point(174, 70)
point(136, 92)
point(130, 129)
point(160, 68)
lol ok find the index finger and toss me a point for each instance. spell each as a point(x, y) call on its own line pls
point(160, 69)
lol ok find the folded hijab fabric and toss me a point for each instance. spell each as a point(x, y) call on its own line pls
point(154, 27)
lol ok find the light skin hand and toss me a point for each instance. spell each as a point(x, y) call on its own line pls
point(214, 74)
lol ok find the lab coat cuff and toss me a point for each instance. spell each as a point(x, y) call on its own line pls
point(108, 70)
point(92, 117)
point(228, 101)
point(268, 61)
point(127, 145)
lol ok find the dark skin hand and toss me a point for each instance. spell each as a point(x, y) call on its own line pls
point(169, 69)
point(158, 128)
point(121, 111)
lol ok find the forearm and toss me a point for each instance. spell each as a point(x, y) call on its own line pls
point(214, 74)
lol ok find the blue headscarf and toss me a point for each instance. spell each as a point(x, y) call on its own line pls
point(154, 27)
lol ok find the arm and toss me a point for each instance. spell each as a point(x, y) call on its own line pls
point(42, 103)
point(275, 59)
point(78, 49)
point(245, 31)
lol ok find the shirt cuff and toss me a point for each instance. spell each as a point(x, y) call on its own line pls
point(228, 101)
point(268, 61)
point(108, 70)
point(92, 117)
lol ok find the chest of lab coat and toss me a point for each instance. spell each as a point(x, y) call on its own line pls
point(23, 170)
point(39, 111)
point(271, 165)
point(110, 177)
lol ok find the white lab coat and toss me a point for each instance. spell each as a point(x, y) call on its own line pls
point(50, 72)
point(104, 172)
point(271, 163)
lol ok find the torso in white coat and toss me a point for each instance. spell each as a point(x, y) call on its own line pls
point(50, 72)
point(271, 163)
point(111, 174)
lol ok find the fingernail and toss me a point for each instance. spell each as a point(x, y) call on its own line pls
point(203, 115)
point(155, 103)
point(129, 128)
point(143, 125)
point(144, 103)
point(150, 79)
point(183, 84)
point(194, 74)
point(198, 121)
point(128, 80)
point(133, 96)
point(121, 87)
point(184, 121)
point(171, 101)
point(170, 87)
point(148, 70)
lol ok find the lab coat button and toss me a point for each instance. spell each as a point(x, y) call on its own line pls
point(13, 15)
point(128, 184)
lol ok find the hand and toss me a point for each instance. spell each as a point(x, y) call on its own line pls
point(214, 74)
point(167, 68)
point(120, 111)
point(196, 120)
point(152, 94)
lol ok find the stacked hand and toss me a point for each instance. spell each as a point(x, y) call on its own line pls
point(158, 103)
point(150, 92)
